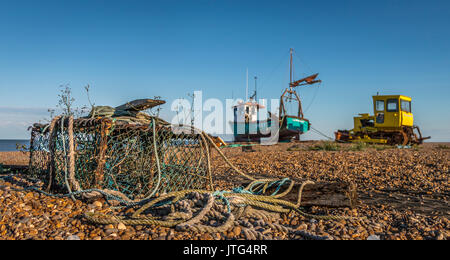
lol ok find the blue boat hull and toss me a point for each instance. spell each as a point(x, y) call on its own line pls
point(291, 127)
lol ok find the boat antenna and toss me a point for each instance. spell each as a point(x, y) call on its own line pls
point(254, 96)
point(255, 88)
point(246, 87)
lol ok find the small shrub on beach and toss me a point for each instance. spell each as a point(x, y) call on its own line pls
point(442, 146)
point(325, 146)
point(381, 147)
point(359, 146)
point(3, 169)
point(294, 148)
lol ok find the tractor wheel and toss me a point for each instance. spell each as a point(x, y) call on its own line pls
point(398, 138)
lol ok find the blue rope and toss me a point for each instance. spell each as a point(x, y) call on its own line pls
point(279, 184)
point(220, 195)
point(241, 190)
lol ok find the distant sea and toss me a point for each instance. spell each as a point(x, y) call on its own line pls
point(10, 145)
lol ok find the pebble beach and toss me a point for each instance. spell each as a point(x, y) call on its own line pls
point(403, 195)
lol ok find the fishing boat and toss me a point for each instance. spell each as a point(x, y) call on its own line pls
point(248, 128)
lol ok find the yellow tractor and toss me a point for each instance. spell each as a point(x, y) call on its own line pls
point(392, 123)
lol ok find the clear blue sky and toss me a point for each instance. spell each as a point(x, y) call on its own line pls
point(134, 49)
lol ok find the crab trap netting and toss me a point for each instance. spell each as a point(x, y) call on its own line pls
point(135, 161)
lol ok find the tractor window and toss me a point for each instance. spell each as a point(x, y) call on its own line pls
point(379, 105)
point(380, 118)
point(406, 106)
point(392, 105)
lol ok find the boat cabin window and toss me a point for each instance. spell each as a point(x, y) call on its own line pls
point(392, 105)
point(379, 105)
point(406, 106)
point(247, 110)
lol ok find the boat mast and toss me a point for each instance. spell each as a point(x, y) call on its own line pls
point(290, 91)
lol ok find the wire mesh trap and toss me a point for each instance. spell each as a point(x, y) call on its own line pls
point(133, 160)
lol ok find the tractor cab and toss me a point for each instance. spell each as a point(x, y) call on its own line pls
point(392, 111)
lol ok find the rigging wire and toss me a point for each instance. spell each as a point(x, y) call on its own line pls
point(297, 57)
point(320, 133)
point(316, 90)
point(324, 135)
point(265, 80)
point(301, 61)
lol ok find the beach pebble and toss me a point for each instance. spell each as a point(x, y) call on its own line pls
point(73, 237)
point(373, 237)
point(121, 226)
point(97, 204)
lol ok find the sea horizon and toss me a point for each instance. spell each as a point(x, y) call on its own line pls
point(10, 145)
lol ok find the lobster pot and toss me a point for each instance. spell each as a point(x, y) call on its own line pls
point(133, 159)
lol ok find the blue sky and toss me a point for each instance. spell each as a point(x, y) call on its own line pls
point(133, 49)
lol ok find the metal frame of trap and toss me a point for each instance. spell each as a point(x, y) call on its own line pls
point(134, 161)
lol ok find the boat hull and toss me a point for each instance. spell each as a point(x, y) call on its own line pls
point(291, 127)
